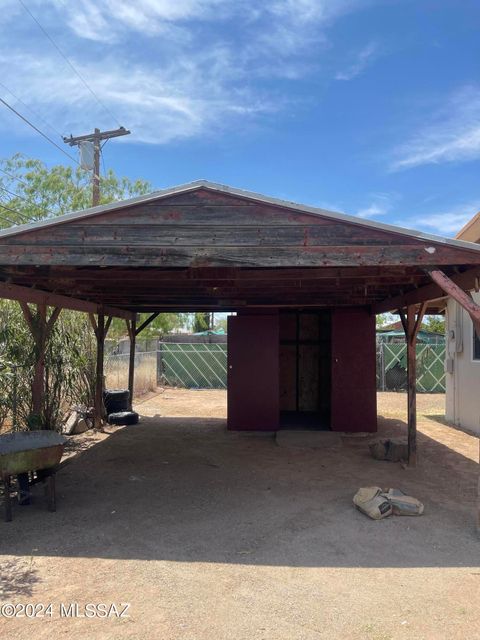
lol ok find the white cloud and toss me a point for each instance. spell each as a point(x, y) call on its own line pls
point(364, 57)
point(372, 211)
point(447, 222)
point(167, 70)
point(452, 134)
point(381, 205)
point(158, 105)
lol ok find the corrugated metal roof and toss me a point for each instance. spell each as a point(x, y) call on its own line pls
point(220, 188)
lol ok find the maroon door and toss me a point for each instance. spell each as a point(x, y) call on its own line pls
point(354, 394)
point(253, 373)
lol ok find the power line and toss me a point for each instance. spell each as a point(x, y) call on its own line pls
point(28, 201)
point(44, 135)
point(2, 206)
point(10, 175)
point(31, 110)
point(85, 83)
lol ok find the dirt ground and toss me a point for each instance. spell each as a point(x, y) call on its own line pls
point(209, 534)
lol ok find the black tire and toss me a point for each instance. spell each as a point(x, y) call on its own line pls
point(116, 400)
point(123, 418)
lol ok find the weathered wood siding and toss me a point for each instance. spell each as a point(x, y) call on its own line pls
point(208, 229)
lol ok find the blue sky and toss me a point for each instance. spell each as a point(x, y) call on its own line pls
point(362, 106)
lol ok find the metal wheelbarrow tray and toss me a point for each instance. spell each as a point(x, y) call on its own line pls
point(30, 451)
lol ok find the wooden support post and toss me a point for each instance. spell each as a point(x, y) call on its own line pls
point(41, 329)
point(99, 330)
point(411, 325)
point(132, 333)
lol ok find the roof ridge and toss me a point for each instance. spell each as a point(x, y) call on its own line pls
point(241, 193)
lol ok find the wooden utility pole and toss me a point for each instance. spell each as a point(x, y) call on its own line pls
point(96, 138)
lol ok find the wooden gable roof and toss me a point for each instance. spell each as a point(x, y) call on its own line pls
point(209, 246)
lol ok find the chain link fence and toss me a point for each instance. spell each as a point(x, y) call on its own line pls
point(392, 367)
point(204, 366)
point(194, 366)
point(116, 371)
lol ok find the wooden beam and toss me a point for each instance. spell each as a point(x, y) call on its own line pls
point(107, 324)
point(403, 320)
point(411, 324)
point(465, 280)
point(145, 324)
point(100, 335)
point(464, 299)
point(36, 296)
point(132, 333)
point(341, 255)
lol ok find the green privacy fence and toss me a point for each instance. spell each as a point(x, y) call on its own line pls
point(392, 367)
point(194, 366)
point(204, 366)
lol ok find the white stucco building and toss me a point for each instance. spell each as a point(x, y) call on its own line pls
point(462, 363)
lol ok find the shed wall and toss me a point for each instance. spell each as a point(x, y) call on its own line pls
point(463, 382)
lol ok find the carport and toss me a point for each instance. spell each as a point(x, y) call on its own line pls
point(305, 284)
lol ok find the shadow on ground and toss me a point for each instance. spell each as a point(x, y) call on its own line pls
point(184, 489)
point(18, 577)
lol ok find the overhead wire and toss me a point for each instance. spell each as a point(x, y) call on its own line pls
point(13, 177)
point(30, 124)
point(67, 60)
point(44, 135)
point(2, 206)
point(37, 115)
point(28, 201)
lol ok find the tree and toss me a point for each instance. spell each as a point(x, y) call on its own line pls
point(201, 322)
point(44, 192)
point(221, 323)
point(30, 191)
point(384, 319)
point(163, 324)
point(434, 323)
point(35, 191)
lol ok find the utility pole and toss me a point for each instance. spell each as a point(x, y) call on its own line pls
point(95, 138)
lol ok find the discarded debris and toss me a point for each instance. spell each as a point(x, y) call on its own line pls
point(402, 504)
point(371, 502)
point(380, 503)
point(390, 449)
point(79, 420)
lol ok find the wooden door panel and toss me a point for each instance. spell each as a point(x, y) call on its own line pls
point(253, 373)
point(354, 397)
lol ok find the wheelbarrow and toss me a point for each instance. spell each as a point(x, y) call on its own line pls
point(28, 451)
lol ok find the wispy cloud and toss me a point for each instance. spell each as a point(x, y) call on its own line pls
point(451, 134)
point(380, 205)
point(167, 70)
point(447, 222)
point(363, 58)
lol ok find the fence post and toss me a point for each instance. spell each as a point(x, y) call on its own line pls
point(382, 364)
point(14, 398)
point(159, 363)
